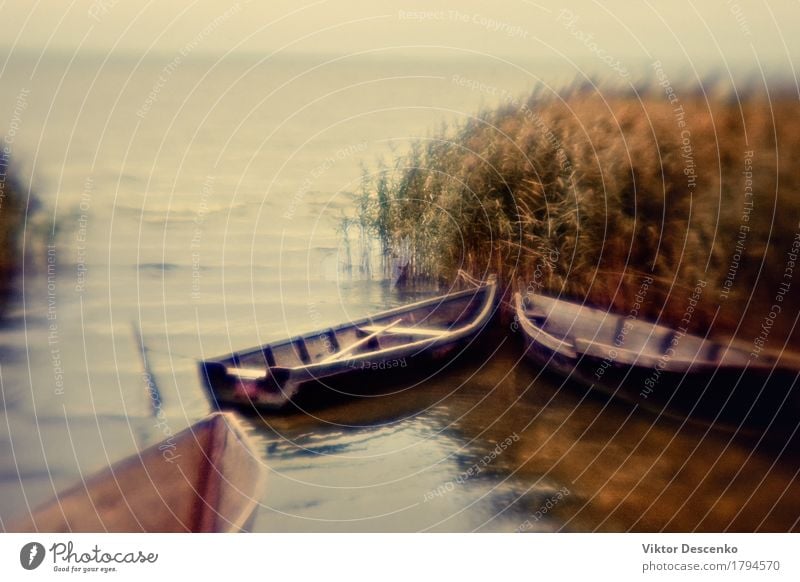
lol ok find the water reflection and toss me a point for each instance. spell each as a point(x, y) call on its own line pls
point(430, 459)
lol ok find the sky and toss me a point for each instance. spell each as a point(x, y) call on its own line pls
point(625, 31)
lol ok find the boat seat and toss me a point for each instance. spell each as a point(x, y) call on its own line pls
point(246, 373)
point(406, 330)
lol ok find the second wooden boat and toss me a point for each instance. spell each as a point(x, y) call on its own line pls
point(655, 364)
point(273, 375)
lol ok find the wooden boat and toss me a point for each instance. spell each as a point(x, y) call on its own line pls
point(206, 478)
point(394, 341)
point(652, 363)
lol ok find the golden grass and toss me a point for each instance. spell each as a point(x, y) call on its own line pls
point(583, 194)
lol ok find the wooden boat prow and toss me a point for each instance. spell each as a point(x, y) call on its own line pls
point(206, 478)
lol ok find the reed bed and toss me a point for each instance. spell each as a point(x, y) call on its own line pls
point(589, 195)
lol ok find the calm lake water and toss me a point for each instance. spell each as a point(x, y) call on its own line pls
point(199, 201)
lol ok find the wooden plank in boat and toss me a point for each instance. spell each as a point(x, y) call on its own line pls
point(379, 330)
point(398, 330)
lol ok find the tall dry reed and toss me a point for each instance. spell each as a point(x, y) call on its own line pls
point(584, 194)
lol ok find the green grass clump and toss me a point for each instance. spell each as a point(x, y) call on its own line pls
point(583, 194)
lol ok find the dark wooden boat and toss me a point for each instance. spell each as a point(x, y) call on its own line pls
point(206, 478)
point(655, 364)
point(272, 375)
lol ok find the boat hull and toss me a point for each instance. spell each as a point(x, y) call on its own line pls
point(206, 478)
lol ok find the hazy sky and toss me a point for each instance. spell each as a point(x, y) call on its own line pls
point(699, 30)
